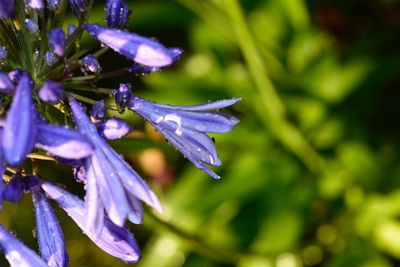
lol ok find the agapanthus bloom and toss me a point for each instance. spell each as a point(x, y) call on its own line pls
point(51, 111)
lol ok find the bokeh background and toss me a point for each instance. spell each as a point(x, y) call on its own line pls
point(310, 176)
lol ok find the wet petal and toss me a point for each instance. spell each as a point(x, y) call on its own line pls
point(133, 46)
point(206, 106)
point(13, 190)
point(187, 128)
point(110, 188)
point(94, 207)
point(63, 142)
point(17, 253)
point(114, 128)
point(49, 233)
point(91, 64)
point(19, 127)
point(79, 7)
point(114, 240)
point(117, 12)
point(136, 214)
point(99, 110)
point(123, 96)
point(128, 177)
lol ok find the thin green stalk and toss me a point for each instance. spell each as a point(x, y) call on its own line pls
point(203, 247)
point(274, 109)
point(81, 98)
point(99, 90)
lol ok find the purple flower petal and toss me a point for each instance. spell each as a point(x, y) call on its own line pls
point(186, 127)
point(110, 188)
point(57, 41)
point(79, 7)
point(136, 214)
point(7, 9)
point(117, 13)
point(17, 253)
point(91, 64)
point(36, 5)
point(123, 96)
point(49, 233)
point(53, 4)
point(135, 47)
point(51, 92)
point(206, 106)
point(94, 206)
point(50, 58)
point(6, 85)
point(114, 128)
point(63, 142)
point(13, 190)
point(128, 177)
point(32, 25)
point(99, 110)
point(71, 29)
point(19, 127)
point(15, 75)
point(116, 241)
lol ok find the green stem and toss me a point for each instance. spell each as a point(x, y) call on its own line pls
point(203, 247)
point(82, 98)
point(273, 107)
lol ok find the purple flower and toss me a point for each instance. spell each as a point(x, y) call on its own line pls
point(49, 233)
point(53, 4)
point(7, 9)
point(3, 51)
point(57, 41)
point(14, 189)
point(6, 85)
point(79, 7)
point(62, 142)
point(91, 64)
point(138, 68)
point(36, 5)
point(15, 75)
point(186, 127)
point(50, 58)
point(17, 253)
point(32, 25)
point(117, 12)
point(51, 92)
point(19, 126)
point(98, 111)
point(71, 29)
point(2, 170)
point(109, 177)
point(113, 128)
point(123, 96)
point(114, 240)
point(133, 46)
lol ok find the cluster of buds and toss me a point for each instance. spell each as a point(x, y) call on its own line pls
point(43, 115)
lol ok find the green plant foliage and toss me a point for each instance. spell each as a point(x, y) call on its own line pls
point(311, 174)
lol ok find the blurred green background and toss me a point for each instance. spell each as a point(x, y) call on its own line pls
point(310, 176)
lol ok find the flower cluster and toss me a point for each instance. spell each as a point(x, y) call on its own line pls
point(46, 80)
